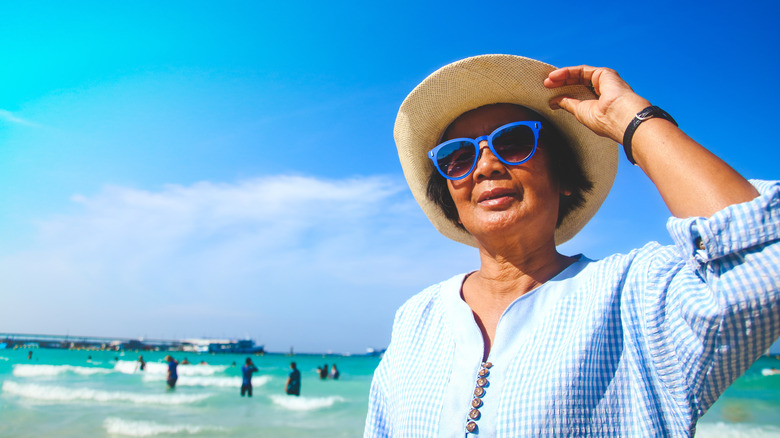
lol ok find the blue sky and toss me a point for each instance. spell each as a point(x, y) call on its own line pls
point(184, 169)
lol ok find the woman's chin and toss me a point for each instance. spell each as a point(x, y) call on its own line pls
point(509, 225)
point(499, 224)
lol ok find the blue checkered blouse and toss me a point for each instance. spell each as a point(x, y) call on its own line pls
point(640, 344)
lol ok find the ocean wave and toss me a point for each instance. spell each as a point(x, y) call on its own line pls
point(731, 430)
point(294, 403)
point(51, 393)
point(161, 368)
point(117, 426)
point(128, 366)
point(217, 381)
point(54, 370)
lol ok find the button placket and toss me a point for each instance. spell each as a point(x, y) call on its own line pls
point(479, 392)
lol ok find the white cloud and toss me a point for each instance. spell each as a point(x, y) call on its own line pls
point(11, 118)
point(290, 260)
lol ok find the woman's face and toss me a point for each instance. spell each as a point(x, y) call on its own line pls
point(501, 200)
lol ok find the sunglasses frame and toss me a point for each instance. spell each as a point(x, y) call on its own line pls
point(535, 128)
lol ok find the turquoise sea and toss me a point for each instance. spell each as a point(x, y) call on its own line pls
point(64, 394)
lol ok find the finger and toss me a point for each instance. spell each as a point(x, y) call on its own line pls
point(592, 89)
point(565, 102)
point(581, 75)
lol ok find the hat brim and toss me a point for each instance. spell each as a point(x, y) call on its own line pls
point(487, 79)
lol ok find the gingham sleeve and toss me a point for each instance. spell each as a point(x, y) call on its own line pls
point(713, 315)
point(377, 424)
point(408, 385)
point(740, 227)
point(378, 419)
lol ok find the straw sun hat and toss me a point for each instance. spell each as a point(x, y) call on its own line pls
point(481, 80)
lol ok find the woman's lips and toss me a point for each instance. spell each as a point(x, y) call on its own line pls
point(495, 196)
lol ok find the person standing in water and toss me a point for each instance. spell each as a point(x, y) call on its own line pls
point(173, 376)
point(246, 371)
point(323, 372)
point(141, 363)
point(293, 385)
point(334, 372)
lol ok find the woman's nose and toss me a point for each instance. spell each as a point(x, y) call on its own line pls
point(487, 163)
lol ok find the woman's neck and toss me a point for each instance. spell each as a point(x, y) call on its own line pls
point(516, 269)
point(502, 278)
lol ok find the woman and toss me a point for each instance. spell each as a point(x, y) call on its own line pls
point(513, 156)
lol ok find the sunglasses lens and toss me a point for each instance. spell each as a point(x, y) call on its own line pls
point(515, 143)
point(456, 158)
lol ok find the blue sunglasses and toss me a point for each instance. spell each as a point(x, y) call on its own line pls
point(513, 144)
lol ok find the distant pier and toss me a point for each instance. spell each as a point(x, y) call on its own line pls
point(67, 342)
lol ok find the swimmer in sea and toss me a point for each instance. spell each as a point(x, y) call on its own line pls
point(173, 376)
point(246, 371)
point(293, 385)
point(334, 372)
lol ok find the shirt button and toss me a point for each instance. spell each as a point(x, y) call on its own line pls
point(484, 372)
point(474, 414)
point(476, 403)
point(486, 364)
point(471, 426)
point(479, 391)
point(482, 382)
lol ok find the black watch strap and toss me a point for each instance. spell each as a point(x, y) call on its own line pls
point(646, 114)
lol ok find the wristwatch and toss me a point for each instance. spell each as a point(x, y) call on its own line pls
point(646, 114)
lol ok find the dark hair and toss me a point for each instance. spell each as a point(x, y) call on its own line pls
point(564, 167)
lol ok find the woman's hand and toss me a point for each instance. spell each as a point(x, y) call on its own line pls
point(610, 114)
point(692, 181)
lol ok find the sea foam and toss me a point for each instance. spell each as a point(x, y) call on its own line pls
point(295, 403)
point(117, 426)
point(770, 372)
point(51, 393)
point(729, 430)
point(161, 368)
point(214, 381)
point(54, 370)
point(127, 367)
